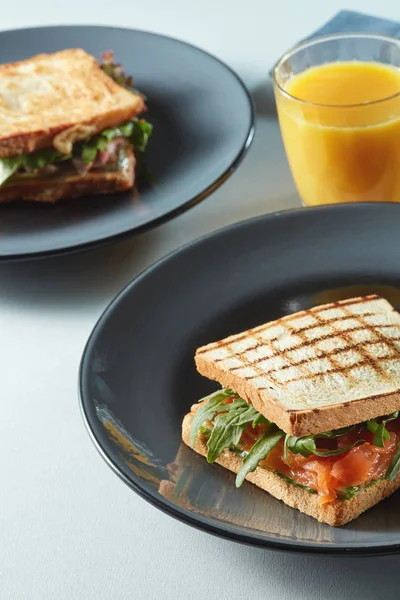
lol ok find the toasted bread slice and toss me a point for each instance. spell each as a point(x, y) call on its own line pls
point(336, 513)
point(70, 184)
point(57, 99)
point(319, 369)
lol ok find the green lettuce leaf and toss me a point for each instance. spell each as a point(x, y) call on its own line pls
point(117, 72)
point(35, 160)
point(137, 132)
point(258, 452)
point(8, 166)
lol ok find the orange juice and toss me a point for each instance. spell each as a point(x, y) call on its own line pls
point(342, 135)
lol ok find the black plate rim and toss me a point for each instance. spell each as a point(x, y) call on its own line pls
point(171, 214)
point(181, 514)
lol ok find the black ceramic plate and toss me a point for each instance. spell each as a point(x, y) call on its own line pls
point(138, 377)
point(203, 122)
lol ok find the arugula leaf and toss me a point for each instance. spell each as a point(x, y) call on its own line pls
point(306, 446)
point(286, 449)
point(228, 428)
point(379, 429)
point(380, 432)
point(393, 416)
point(301, 445)
point(258, 452)
point(335, 432)
point(208, 410)
point(233, 418)
point(229, 422)
point(349, 492)
point(238, 451)
point(381, 435)
point(260, 420)
point(394, 466)
point(204, 429)
point(293, 482)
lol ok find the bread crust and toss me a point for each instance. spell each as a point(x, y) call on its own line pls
point(303, 422)
point(336, 513)
point(74, 185)
point(267, 395)
point(52, 94)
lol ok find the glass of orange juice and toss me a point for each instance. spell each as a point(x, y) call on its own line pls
point(338, 101)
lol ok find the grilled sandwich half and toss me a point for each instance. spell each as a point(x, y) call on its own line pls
point(309, 407)
point(69, 127)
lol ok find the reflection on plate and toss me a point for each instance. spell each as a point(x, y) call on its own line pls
point(137, 457)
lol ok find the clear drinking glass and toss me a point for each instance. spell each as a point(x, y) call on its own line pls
point(345, 147)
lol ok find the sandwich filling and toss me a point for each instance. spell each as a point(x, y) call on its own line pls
point(102, 151)
point(335, 464)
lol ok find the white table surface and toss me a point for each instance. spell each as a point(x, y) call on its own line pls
point(69, 528)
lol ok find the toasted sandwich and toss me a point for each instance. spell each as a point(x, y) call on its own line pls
point(309, 408)
point(69, 127)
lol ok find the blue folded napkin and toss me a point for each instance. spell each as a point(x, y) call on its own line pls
point(345, 21)
point(350, 21)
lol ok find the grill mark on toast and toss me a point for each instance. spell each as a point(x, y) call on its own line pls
point(336, 367)
point(260, 372)
point(381, 338)
point(311, 312)
point(306, 343)
point(368, 358)
point(271, 344)
point(331, 357)
point(322, 356)
point(247, 363)
point(320, 323)
point(340, 369)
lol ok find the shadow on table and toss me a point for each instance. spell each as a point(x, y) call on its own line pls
point(263, 183)
point(264, 100)
point(70, 281)
point(318, 577)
